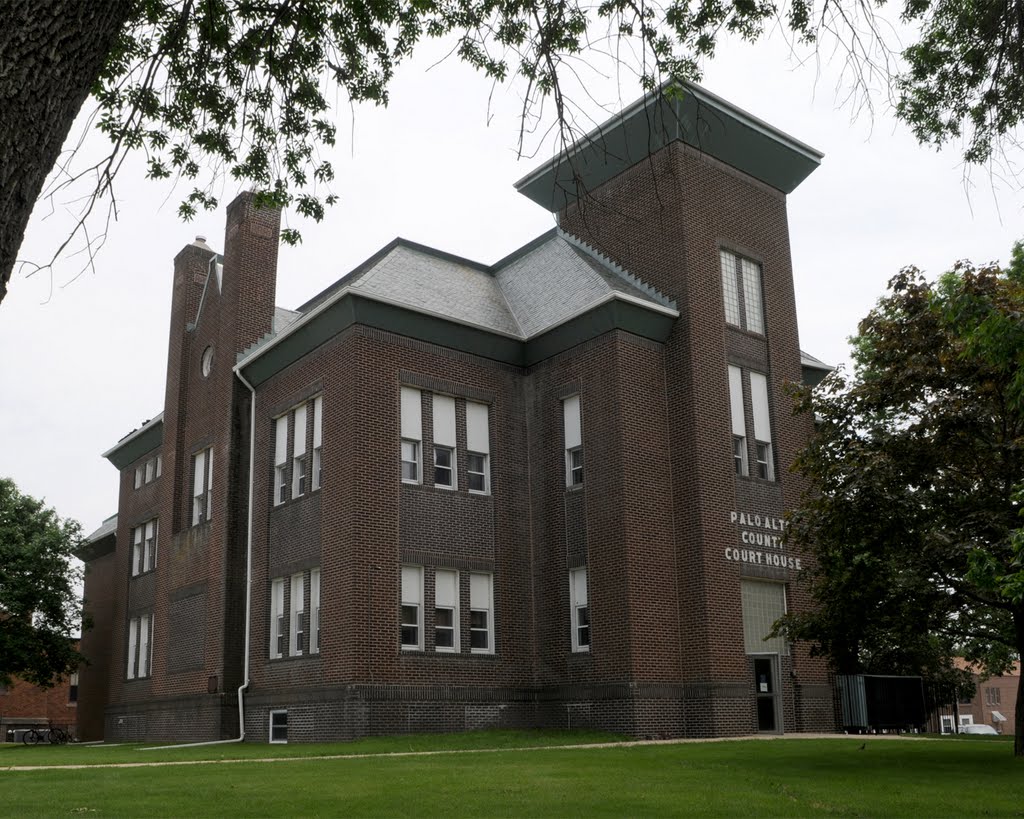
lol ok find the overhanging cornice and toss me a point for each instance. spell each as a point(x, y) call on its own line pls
point(677, 111)
point(136, 444)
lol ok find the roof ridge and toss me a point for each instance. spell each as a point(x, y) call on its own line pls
point(618, 270)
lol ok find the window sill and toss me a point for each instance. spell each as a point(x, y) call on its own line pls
point(305, 496)
point(755, 479)
point(576, 487)
point(144, 574)
point(746, 332)
point(285, 658)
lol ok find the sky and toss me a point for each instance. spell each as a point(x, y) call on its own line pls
point(83, 358)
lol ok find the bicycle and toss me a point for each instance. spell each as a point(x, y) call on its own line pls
point(58, 736)
point(33, 736)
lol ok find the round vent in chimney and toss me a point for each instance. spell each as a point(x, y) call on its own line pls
point(201, 239)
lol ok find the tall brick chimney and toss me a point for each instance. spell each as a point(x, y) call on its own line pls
point(251, 241)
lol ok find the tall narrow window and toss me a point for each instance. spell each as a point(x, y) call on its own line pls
point(478, 446)
point(298, 624)
point(446, 610)
point(140, 646)
point(280, 459)
point(741, 292)
point(411, 611)
point(752, 296)
point(580, 612)
point(314, 611)
point(412, 434)
point(445, 460)
point(762, 426)
point(277, 629)
point(149, 562)
point(573, 441)
point(150, 469)
point(138, 477)
point(730, 288)
point(481, 613)
point(202, 486)
point(133, 643)
point(318, 425)
point(145, 644)
point(144, 547)
point(138, 550)
point(299, 453)
point(159, 465)
point(739, 428)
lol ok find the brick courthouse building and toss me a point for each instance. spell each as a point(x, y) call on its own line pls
point(443, 495)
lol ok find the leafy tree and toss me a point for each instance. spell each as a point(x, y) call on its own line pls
point(39, 603)
point(240, 88)
point(914, 513)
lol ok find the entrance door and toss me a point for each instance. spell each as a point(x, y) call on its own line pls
point(766, 693)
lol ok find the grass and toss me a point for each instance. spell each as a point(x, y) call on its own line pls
point(786, 777)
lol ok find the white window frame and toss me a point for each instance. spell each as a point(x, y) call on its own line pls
point(299, 476)
point(446, 598)
point(413, 461)
point(452, 467)
point(276, 618)
point(411, 434)
point(314, 611)
point(478, 445)
point(572, 429)
point(144, 547)
point(280, 458)
point(445, 440)
point(759, 398)
point(318, 424)
point(138, 476)
point(140, 647)
point(737, 418)
point(481, 599)
point(159, 465)
point(579, 596)
point(742, 292)
point(296, 621)
point(411, 583)
point(202, 486)
point(484, 472)
point(271, 726)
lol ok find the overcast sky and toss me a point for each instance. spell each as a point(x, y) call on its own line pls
point(83, 363)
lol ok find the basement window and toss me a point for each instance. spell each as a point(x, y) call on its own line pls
point(279, 727)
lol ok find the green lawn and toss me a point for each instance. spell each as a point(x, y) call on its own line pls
point(785, 777)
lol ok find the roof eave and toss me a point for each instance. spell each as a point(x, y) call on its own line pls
point(694, 116)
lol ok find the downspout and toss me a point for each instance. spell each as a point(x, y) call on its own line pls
point(248, 584)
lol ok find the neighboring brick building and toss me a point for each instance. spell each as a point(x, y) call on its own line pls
point(545, 492)
point(994, 703)
point(23, 705)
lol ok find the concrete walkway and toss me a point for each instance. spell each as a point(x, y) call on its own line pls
point(385, 755)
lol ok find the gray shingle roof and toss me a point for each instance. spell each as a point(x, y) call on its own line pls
point(536, 288)
point(440, 285)
point(107, 527)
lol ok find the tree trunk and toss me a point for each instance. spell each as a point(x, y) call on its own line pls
point(51, 53)
point(1018, 720)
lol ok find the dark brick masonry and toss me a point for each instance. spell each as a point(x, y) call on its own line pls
point(651, 522)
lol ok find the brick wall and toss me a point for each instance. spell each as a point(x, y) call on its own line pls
point(651, 522)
